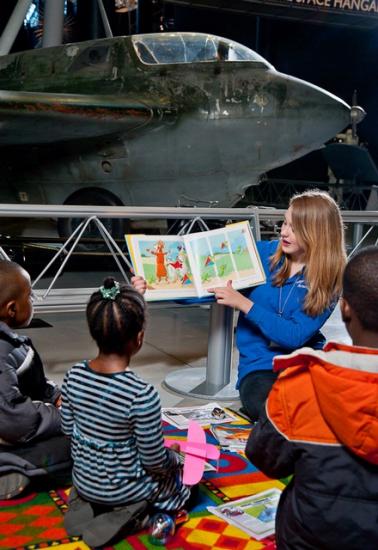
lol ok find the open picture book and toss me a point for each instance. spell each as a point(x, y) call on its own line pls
point(186, 266)
point(255, 515)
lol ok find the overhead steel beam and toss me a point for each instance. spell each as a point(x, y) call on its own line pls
point(53, 22)
point(105, 20)
point(13, 26)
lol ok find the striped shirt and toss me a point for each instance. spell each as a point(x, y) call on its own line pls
point(114, 421)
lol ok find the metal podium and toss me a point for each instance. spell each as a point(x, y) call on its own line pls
point(215, 381)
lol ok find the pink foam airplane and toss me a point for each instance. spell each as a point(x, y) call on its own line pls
point(196, 452)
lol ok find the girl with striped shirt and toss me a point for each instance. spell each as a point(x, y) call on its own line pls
point(113, 417)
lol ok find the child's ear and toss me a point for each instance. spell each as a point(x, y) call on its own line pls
point(345, 311)
point(8, 312)
point(10, 309)
point(139, 339)
point(133, 346)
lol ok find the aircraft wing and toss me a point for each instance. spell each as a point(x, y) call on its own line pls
point(40, 117)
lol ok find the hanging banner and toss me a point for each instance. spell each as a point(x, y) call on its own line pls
point(363, 13)
point(358, 6)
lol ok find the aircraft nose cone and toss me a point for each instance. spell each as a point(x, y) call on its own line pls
point(357, 114)
point(315, 115)
point(333, 113)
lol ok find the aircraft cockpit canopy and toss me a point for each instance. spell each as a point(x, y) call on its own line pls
point(185, 47)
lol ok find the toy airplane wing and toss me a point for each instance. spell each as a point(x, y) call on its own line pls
point(196, 452)
point(40, 117)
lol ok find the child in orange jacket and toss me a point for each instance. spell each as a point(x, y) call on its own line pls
point(321, 424)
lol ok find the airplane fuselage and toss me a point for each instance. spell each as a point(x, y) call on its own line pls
point(107, 115)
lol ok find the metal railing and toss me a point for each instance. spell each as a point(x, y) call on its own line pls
point(160, 212)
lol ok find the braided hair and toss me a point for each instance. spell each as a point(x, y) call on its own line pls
point(116, 313)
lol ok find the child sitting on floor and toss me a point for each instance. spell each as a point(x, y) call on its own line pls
point(114, 420)
point(321, 424)
point(31, 442)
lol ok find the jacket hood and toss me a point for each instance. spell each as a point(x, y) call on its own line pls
point(11, 336)
point(345, 382)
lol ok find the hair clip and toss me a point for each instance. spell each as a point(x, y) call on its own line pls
point(110, 293)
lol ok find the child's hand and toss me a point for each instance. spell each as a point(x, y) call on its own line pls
point(228, 296)
point(139, 284)
point(58, 402)
point(175, 447)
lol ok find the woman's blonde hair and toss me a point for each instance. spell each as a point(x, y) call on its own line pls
point(318, 227)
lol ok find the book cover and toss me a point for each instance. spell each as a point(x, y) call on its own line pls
point(186, 266)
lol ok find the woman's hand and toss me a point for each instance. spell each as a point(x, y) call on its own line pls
point(228, 296)
point(139, 284)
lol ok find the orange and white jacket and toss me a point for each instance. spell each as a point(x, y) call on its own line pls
point(321, 424)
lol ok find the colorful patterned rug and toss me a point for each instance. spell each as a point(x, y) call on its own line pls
point(36, 521)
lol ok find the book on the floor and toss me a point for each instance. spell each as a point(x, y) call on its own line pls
point(208, 467)
point(210, 413)
point(255, 514)
point(231, 438)
point(186, 266)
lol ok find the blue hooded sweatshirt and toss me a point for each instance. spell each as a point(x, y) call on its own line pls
point(276, 324)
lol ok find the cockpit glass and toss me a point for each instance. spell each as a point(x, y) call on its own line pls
point(170, 48)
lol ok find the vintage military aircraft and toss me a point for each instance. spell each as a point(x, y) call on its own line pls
point(156, 119)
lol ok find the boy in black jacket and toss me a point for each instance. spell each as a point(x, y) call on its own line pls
point(31, 441)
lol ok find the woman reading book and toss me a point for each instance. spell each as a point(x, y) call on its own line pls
point(304, 272)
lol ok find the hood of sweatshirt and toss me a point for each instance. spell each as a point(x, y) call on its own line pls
point(345, 382)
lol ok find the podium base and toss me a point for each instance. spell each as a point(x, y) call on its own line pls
point(192, 382)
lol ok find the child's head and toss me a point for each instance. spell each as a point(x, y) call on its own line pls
point(359, 305)
point(16, 302)
point(116, 316)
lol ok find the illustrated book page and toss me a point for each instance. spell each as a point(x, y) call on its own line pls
point(186, 266)
point(255, 514)
point(162, 261)
point(222, 255)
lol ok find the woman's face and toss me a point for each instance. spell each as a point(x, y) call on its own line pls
point(289, 243)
